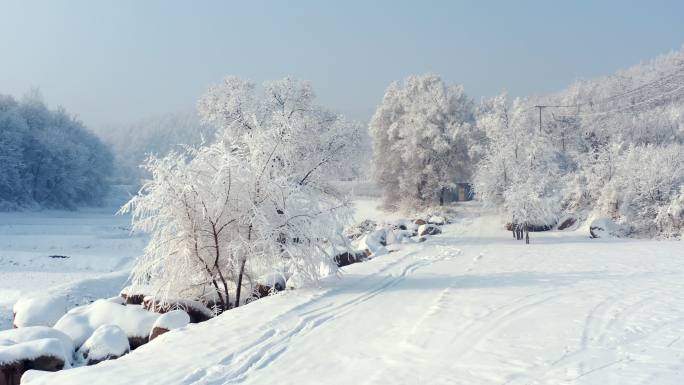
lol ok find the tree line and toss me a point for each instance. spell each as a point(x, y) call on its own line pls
point(609, 147)
point(48, 158)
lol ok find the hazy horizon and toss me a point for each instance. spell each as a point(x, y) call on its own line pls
point(112, 63)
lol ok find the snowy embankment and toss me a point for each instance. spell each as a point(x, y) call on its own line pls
point(470, 306)
point(81, 255)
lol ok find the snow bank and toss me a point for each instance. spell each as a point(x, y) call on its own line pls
point(80, 323)
point(43, 310)
point(30, 350)
point(106, 342)
point(32, 333)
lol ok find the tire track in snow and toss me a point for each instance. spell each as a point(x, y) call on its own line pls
point(237, 366)
point(594, 341)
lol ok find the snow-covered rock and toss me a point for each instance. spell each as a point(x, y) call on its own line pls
point(175, 319)
point(374, 242)
point(80, 323)
point(107, 342)
point(437, 220)
point(33, 333)
point(350, 257)
point(197, 311)
point(43, 354)
point(275, 280)
point(428, 229)
point(133, 295)
point(42, 310)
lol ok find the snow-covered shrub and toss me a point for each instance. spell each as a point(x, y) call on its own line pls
point(671, 218)
point(107, 342)
point(645, 182)
point(42, 310)
point(606, 228)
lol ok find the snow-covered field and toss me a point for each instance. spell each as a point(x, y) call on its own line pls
point(32, 244)
point(470, 306)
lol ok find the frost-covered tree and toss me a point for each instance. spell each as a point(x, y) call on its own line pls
point(608, 147)
point(254, 201)
point(48, 158)
point(422, 136)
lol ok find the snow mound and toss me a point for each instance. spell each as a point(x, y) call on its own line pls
point(175, 319)
point(33, 333)
point(106, 342)
point(39, 310)
point(30, 350)
point(80, 323)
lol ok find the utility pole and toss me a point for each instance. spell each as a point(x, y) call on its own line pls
point(540, 118)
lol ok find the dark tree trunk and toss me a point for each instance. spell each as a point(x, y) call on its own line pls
point(527, 234)
point(239, 283)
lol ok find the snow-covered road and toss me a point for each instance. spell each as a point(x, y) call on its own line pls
point(471, 306)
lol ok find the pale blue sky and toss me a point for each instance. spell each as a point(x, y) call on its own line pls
point(116, 61)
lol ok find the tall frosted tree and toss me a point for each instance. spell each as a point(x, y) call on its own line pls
point(422, 135)
point(255, 200)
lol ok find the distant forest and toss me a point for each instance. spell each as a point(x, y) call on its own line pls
point(48, 159)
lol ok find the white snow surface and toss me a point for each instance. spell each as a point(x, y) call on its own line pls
point(39, 310)
point(469, 306)
point(105, 342)
point(175, 319)
point(97, 243)
point(80, 323)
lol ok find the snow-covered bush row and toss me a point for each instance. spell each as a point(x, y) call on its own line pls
point(613, 156)
point(610, 147)
point(48, 158)
point(254, 201)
